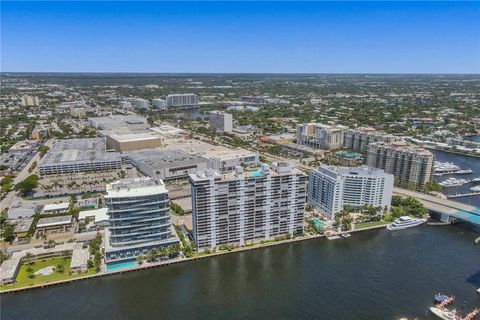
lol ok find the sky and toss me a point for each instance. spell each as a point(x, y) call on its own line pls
point(240, 37)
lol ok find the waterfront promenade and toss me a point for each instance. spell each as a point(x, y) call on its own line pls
point(146, 265)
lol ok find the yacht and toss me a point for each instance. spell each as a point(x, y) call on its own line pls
point(405, 222)
point(444, 313)
point(477, 179)
point(453, 182)
point(475, 189)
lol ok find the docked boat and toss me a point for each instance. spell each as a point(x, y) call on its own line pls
point(444, 313)
point(441, 167)
point(464, 171)
point(453, 182)
point(475, 189)
point(405, 222)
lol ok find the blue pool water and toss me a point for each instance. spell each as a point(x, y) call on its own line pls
point(123, 265)
point(318, 224)
point(255, 174)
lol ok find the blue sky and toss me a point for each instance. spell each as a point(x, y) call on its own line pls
point(277, 37)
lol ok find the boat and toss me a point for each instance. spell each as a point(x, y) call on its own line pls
point(478, 290)
point(453, 182)
point(405, 222)
point(477, 179)
point(444, 313)
point(475, 189)
point(464, 171)
point(439, 298)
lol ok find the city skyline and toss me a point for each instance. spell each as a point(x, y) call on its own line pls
point(247, 37)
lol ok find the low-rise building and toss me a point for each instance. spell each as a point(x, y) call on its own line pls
point(133, 141)
point(79, 155)
point(22, 227)
point(167, 164)
point(56, 208)
point(53, 225)
point(320, 136)
point(20, 210)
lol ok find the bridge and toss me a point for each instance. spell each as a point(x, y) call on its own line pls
point(448, 209)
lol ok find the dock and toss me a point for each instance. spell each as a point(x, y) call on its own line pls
point(461, 195)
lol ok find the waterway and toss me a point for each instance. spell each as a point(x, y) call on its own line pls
point(372, 275)
point(465, 162)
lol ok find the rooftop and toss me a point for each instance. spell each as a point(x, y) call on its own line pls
point(21, 210)
point(357, 171)
point(78, 150)
point(275, 169)
point(141, 136)
point(54, 221)
point(160, 158)
point(23, 225)
point(98, 214)
point(135, 187)
point(56, 206)
point(205, 149)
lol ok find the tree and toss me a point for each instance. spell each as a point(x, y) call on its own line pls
point(28, 184)
point(28, 258)
point(7, 233)
point(60, 268)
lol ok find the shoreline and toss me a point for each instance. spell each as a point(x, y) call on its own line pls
point(454, 152)
point(177, 261)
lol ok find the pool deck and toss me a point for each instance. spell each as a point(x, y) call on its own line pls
point(146, 266)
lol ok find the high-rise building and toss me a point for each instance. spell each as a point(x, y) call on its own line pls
point(30, 101)
point(330, 188)
point(320, 136)
point(411, 165)
point(221, 121)
point(359, 139)
point(245, 206)
point(124, 104)
point(138, 213)
point(182, 100)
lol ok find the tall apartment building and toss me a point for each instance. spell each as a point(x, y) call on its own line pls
point(320, 136)
point(138, 213)
point(330, 188)
point(408, 163)
point(182, 100)
point(359, 139)
point(221, 121)
point(30, 101)
point(245, 206)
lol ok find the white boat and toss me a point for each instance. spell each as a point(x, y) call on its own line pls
point(453, 182)
point(464, 171)
point(444, 313)
point(475, 189)
point(477, 179)
point(405, 222)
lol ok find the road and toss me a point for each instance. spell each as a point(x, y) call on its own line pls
point(12, 196)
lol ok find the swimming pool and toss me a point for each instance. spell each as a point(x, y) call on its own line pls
point(256, 174)
point(318, 224)
point(123, 265)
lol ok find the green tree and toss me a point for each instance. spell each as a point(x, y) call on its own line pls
point(28, 184)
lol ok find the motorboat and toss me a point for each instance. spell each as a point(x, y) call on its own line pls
point(453, 182)
point(405, 222)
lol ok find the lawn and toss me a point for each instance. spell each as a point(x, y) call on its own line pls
point(22, 279)
point(360, 226)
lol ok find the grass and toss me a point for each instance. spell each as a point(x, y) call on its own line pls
point(22, 279)
point(360, 226)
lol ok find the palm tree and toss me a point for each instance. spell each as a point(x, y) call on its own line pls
point(28, 258)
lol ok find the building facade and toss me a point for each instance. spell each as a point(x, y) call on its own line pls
point(359, 139)
point(139, 218)
point(320, 136)
point(79, 155)
point(182, 100)
point(159, 104)
point(330, 188)
point(221, 121)
point(409, 164)
point(242, 207)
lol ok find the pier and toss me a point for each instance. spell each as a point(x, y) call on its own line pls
point(461, 195)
